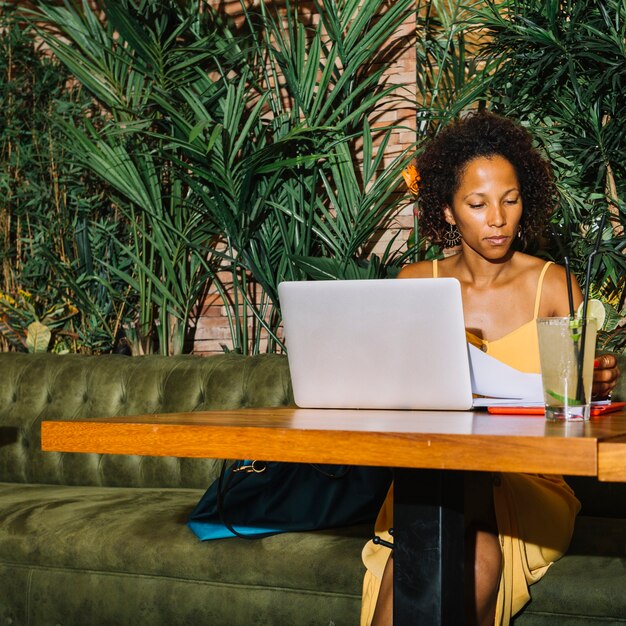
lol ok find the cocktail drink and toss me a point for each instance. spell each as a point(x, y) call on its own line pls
point(560, 342)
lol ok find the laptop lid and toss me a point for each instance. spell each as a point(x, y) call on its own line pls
point(377, 344)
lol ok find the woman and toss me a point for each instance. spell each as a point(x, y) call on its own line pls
point(484, 187)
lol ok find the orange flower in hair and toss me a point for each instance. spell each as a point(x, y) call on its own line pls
point(412, 178)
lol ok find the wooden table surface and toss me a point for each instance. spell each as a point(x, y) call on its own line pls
point(457, 440)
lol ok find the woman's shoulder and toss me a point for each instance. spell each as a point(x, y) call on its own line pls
point(534, 266)
point(529, 262)
point(553, 286)
point(553, 274)
point(421, 269)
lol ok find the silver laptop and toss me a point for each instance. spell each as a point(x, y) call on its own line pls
point(377, 344)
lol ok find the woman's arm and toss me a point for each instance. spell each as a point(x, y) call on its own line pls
point(555, 293)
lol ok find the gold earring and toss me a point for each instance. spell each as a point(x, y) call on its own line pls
point(452, 236)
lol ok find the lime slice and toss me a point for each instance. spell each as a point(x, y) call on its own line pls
point(595, 309)
point(560, 398)
point(575, 328)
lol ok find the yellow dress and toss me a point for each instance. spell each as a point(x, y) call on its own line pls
point(534, 513)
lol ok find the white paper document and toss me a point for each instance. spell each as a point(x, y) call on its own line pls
point(501, 384)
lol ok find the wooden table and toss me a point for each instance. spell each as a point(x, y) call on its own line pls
point(428, 448)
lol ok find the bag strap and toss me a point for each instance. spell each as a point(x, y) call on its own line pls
point(336, 476)
point(222, 489)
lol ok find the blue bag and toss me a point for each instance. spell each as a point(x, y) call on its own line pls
point(253, 499)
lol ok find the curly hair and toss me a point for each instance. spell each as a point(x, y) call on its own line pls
point(483, 134)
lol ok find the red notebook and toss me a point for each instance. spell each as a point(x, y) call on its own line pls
point(596, 409)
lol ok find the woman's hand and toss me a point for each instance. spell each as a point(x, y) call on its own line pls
point(605, 375)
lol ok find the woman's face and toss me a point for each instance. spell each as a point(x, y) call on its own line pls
point(487, 206)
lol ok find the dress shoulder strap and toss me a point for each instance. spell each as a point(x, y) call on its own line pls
point(539, 287)
point(435, 269)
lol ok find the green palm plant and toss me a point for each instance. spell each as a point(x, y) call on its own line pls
point(449, 78)
point(234, 172)
point(167, 268)
point(449, 81)
point(280, 140)
point(234, 148)
point(315, 87)
point(141, 53)
point(360, 200)
point(561, 67)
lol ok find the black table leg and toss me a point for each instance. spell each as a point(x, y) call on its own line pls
point(428, 555)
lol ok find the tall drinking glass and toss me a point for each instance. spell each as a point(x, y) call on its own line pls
point(560, 341)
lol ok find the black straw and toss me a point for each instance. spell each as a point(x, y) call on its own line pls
point(570, 295)
point(580, 391)
point(568, 274)
point(590, 262)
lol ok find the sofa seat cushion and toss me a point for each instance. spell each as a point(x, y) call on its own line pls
point(586, 586)
point(579, 590)
point(92, 539)
point(142, 532)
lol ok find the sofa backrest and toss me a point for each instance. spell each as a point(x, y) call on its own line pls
point(34, 387)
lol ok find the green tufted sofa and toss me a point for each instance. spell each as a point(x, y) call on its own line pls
point(101, 539)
